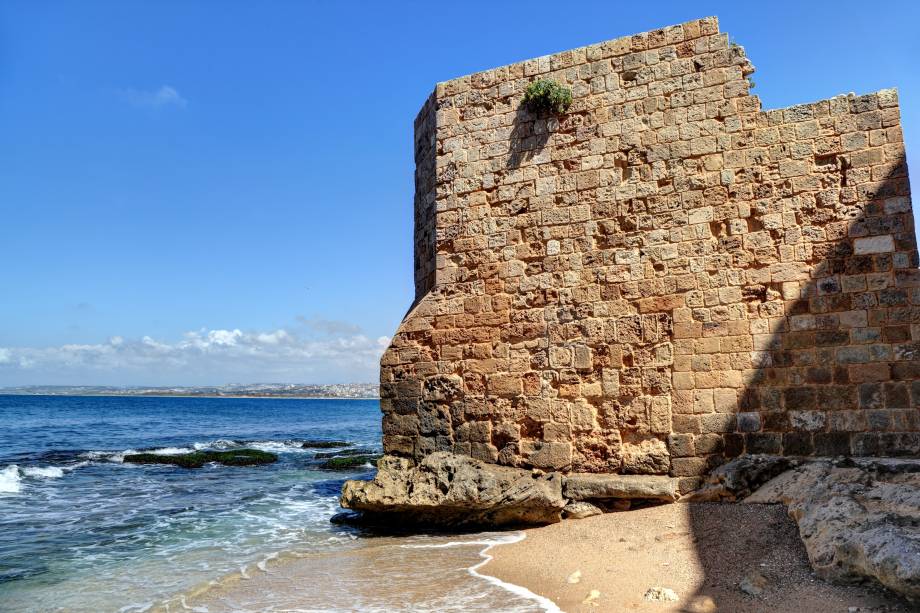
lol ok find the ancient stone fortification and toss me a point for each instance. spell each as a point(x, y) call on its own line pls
point(661, 277)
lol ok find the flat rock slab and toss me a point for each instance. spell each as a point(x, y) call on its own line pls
point(453, 490)
point(588, 486)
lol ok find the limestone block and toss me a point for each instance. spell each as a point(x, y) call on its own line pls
point(587, 486)
point(873, 244)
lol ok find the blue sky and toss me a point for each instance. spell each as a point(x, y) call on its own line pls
point(209, 192)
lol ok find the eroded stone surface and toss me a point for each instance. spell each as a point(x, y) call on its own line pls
point(454, 490)
point(580, 510)
point(740, 477)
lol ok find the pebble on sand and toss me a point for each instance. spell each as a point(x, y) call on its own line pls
point(753, 583)
point(661, 594)
point(592, 596)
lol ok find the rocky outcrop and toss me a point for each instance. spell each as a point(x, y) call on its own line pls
point(858, 518)
point(589, 486)
point(197, 459)
point(448, 489)
point(455, 490)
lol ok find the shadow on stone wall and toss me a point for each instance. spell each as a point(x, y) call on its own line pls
point(529, 135)
point(828, 386)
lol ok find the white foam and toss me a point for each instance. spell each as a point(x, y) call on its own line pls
point(221, 443)
point(47, 472)
point(168, 451)
point(188, 608)
point(262, 565)
point(277, 446)
point(10, 480)
point(544, 603)
point(107, 456)
point(136, 608)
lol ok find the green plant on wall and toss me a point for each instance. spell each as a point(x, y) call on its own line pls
point(545, 96)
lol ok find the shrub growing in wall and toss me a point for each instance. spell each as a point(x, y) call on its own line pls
point(545, 96)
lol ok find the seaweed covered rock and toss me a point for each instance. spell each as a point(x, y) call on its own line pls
point(348, 462)
point(345, 452)
point(320, 444)
point(197, 459)
point(453, 490)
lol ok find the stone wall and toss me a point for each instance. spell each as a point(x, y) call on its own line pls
point(661, 277)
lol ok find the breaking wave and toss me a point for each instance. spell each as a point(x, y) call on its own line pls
point(10, 481)
point(46, 472)
point(222, 444)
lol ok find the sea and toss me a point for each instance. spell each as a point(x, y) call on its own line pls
point(81, 530)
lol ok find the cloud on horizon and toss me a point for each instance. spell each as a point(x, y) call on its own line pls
point(199, 358)
point(165, 96)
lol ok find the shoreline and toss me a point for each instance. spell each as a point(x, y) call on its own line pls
point(519, 590)
point(713, 556)
point(193, 396)
point(273, 581)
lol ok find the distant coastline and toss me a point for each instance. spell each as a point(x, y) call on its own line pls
point(337, 391)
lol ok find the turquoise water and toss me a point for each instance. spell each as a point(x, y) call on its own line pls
point(79, 530)
point(82, 531)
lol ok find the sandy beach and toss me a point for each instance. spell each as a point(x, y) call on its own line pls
point(702, 552)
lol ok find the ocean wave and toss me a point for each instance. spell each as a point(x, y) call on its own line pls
point(105, 456)
point(10, 481)
point(47, 472)
point(168, 450)
point(287, 446)
point(221, 444)
point(262, 565)
point(12, 475)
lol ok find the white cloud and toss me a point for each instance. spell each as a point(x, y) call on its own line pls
point(162, 97)
point(329, 326)
point(201, 357)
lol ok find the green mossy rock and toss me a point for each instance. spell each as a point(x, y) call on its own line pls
point(349, 462)
point(324, 444)
point(197, 459)
point(342, 453)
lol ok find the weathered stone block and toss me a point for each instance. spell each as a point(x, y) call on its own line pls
point(873, 244)
point(601, 487)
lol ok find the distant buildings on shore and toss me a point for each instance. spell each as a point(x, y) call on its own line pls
point(233, 390)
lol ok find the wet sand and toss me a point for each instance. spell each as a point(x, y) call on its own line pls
point(700, 551)
point(376, 575)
